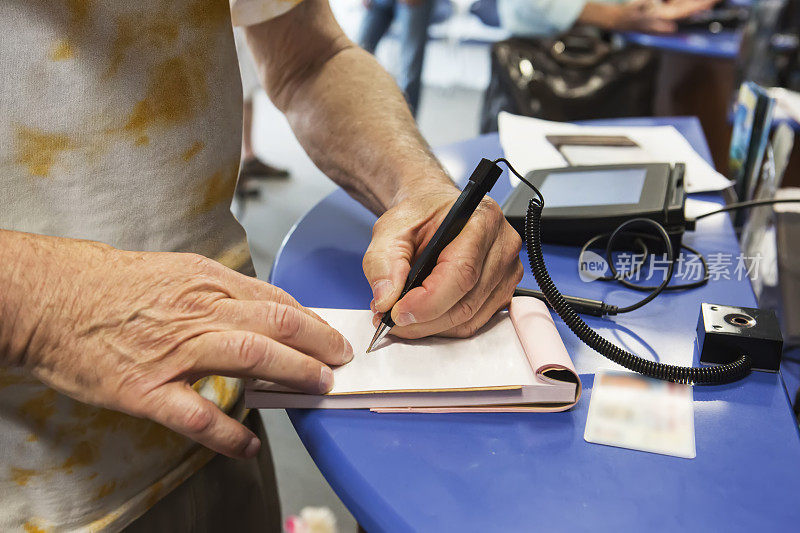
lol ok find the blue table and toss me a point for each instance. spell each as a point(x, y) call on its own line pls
point(724, 44)
point(513, 472)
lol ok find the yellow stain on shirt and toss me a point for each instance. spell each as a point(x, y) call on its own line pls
point(97, 418)
point(62, 51)
point(21, 476)
point(236, 256)
point(79, 13)
point(144, 434)
point(198, 385)
point(30, 527)
point(106, 490)
point(193, 150)
point(7, 379)
point(158, 31)
point(226, 394)
point(218, 188)
point(39, 150)
point(79, 10)
point(209, 12)
point(84, 454)
point(103, 523)
point(156, 436)
point(153, 494)
point(39, 408)
point(176, 91)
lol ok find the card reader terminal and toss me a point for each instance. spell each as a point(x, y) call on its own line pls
point(585, 201)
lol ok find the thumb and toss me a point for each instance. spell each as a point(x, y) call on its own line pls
point(386, 264)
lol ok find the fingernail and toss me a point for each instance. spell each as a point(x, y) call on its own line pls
point(381, 289)
point(405, 319)
point(347, 356)
point(252, 447)
point(372, 306)
point(325, 379)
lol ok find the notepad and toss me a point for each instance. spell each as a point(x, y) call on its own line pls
point(516, 362)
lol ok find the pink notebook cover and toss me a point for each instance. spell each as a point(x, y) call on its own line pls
point(556, 386)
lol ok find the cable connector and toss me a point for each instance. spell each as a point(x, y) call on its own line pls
point(584, 306)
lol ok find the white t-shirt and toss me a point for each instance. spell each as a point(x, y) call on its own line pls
point(121, 123)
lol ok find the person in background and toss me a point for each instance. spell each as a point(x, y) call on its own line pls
point(251, 167)
point(414, 17)
point(538, 18)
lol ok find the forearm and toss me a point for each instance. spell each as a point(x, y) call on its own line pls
point(348, 114)
point(16, 250)
point(360, 132)
point(601, 15)
point(30, 267)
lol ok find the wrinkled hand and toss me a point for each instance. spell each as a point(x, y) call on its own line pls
point(658, 17)
point(474, 277)
point(132, 331)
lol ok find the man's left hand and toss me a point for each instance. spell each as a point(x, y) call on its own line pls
point(474, 277)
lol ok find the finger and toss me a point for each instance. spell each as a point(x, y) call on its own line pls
point(253, 289)
point(656, 25)
point(665, 26)
point(240, 286)
point(246, 354)
point(459, 269)
point(500, 299)
point(501, 263)
point(467, 313)
point(289, 326)
point(386, 264)
point(181, 409)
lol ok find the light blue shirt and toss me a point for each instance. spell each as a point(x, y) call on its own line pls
point(540, 18)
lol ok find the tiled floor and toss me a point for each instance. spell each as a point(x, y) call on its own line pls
point(446, 115)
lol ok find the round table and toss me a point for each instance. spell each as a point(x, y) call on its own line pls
point(514, 472)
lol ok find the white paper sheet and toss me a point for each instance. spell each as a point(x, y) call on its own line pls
point(492, 358)
point(694, 208)
point(524, 143)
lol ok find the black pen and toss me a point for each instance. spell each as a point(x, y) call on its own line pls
point(480, 182)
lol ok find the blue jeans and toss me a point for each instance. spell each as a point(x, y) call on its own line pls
point(414, 22)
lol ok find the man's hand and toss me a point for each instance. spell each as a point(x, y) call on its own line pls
point(351, 118)
point(132, 331)
point(646, 16)
point(475, 275)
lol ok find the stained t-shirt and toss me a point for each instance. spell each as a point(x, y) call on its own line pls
point(121, 123)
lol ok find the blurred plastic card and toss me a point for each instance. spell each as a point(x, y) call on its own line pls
point(628, 410)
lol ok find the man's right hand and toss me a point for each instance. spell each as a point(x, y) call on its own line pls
point(131, 331)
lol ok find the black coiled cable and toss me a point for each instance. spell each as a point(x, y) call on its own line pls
point(679, 374)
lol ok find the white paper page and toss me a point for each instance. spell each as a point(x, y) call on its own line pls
point(604, 155)
point(694, 208)
point(788, 103)
point(492, 358)
point(524, 143)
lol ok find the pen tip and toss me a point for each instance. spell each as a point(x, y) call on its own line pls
point(379, 334)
